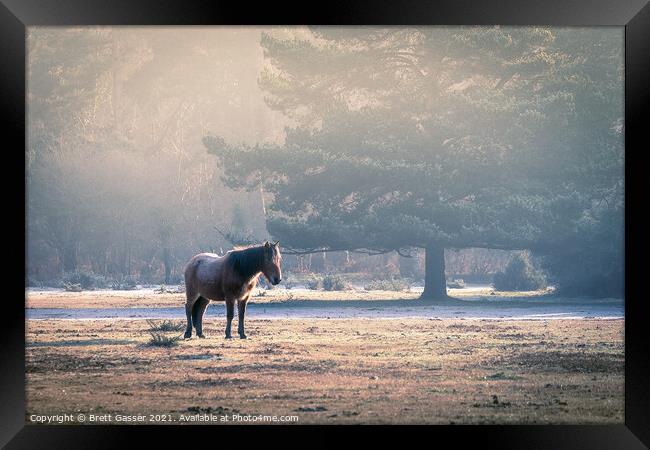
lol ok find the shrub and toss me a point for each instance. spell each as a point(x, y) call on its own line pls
point(314, 283)
point(165, 325)
point(87, 280)
point(394, 284)
point(161, 340)
point(590, 258)
point(456, 284)
point(72, 287)
point(520, 275)
point(126, 284)
point(33, 282)
point(587, 272)
point(167, 290)
point(334, 283)
point(289, 282)
point(161, 290)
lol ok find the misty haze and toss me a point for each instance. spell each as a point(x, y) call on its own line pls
point(420, 225)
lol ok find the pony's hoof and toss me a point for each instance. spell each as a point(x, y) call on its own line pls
point(202, 336)
point(187, 335)
point(228, 337)
point(243, 336)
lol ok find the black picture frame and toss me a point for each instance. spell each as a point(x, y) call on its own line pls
point(16, 15)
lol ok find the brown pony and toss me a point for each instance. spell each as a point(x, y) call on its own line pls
point(227, 278)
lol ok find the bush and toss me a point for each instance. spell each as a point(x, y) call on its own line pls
point(87, 280)
point(33, 282)
point(589, 260)
point(72, 287)
point(587, 272)
point(167, 290)
point(520, 275)
point(289, 282)
point(156, 330)
point(165, 325)
point(127, 284)
point(160, 340)
point(592, 261)
point(456, 283)
point(394, 284)
point(314, 283)
point(334, 283)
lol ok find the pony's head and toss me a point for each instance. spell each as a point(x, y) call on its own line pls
point(272, 259)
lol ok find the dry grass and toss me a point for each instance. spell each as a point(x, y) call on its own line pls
point(165, 325)
point(162, 340)
point(336, 371)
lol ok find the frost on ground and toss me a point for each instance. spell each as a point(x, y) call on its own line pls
point(280, 303)
point(148, 297)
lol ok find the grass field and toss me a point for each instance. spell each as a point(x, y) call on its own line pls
point(334, 371)
point(146, 298)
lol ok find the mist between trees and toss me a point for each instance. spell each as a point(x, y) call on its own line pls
point(382, 151)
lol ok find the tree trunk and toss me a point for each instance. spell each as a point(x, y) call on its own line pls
point(70, 258)
point(435, 285)
point(167, 261)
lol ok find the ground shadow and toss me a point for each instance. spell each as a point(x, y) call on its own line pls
point(79, 343)
point(478, 301)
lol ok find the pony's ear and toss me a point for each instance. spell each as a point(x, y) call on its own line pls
point(266, 244)
point(277, 243)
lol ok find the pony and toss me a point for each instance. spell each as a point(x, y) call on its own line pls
point(229, 278)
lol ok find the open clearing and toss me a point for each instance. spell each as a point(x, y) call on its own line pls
point(148, 298)
point(400, 370)
point(302, 304)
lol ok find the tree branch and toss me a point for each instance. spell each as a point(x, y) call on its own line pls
point(235, 240)
point(371, 252)
point(404, 255)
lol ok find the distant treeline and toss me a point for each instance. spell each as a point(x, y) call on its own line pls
point(472, 265)
point(119, 184)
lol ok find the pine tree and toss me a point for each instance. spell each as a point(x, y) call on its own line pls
point(435, 138)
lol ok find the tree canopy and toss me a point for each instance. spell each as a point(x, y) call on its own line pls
point(440, 137)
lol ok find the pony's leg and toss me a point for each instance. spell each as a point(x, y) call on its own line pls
point(197, 315)
point(189, 304)
point(241, 311)
point(230, 313)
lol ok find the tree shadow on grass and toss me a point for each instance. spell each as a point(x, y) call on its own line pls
point(465, 302)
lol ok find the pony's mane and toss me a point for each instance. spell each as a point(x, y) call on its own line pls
point(244, 247)
point(247, 261)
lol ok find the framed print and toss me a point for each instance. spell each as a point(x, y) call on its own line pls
point(370, 215)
